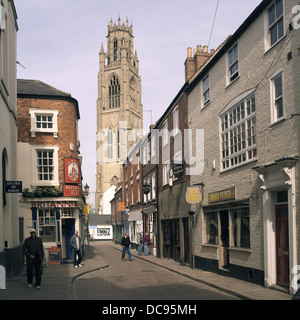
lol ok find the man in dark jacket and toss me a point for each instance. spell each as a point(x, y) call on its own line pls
point(126, 246)
point(34, 252)
point(76, 245)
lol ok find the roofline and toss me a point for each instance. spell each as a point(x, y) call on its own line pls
point(228, 43)
point(51, 97)
point(179, 94)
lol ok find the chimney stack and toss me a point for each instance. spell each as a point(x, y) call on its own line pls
point(194, 63)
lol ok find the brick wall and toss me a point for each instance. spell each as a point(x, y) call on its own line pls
point(67, 127)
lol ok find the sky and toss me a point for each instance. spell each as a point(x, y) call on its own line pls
point(59, 43)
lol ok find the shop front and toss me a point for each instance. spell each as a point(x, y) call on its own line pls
point(135, 220)
point(55, 222)
point(150, 227)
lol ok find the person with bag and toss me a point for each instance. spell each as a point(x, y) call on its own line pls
point(146, 241)
point(34, 251)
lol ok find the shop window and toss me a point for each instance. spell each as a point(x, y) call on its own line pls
point(47, 228)
point(212, 233)
point(241, 227)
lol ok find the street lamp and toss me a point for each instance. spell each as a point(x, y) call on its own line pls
point(86, 189)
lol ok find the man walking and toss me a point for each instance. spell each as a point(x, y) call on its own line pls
point(76, 245)
point(34, 252)
point(125, 244)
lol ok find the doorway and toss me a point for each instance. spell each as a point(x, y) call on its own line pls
point(68, 229)
point(282, 245)
point(224, 220)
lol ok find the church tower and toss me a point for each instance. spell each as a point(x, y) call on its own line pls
point(119, 110)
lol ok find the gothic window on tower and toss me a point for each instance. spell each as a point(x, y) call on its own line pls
point(115, 50)
point(114, 93)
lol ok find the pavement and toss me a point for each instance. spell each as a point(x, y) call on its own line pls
point(57, 280)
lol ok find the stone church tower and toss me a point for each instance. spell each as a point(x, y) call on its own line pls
point(119, 110)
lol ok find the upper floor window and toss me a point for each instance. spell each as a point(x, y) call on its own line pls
point(277, 97)
point(114, 93)
point(233, 63)
point(165, 133)
point(176, 121)
point(239, 133)
point(43, 121)
point(45, 160)
point(206, 91)
point(45, 165)
point(275, 22)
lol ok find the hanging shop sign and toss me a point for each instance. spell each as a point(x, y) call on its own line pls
point(122, 206)
point(178, 170)
point(223, 195)
point(72, 171)
point(146, 188)
point(193, 195)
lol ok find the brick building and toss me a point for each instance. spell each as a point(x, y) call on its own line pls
point(149, 165)
point(117, 218)
point(132, 194)
point(246, 99)
point(175, 225)
point(49, 163)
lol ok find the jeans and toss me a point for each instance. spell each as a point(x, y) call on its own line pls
point(126, 249)
point(146, 249)
point(140, 252)
point(36, 264)
point(76, 253)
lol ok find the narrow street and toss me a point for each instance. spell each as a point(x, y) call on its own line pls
point(138, 280)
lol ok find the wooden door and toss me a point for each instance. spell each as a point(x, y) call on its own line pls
point(282, 238)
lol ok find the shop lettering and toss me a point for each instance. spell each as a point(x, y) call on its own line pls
point(54, 204)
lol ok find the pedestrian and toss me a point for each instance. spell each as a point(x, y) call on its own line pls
point(34, 251)
point(126, 246)
point(140, 242)
point(146, 241)
point(76, 245)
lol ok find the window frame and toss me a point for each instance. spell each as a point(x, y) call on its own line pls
point(34, 113)
point(275, 23)
point(232, 76)
point(166, 172)
point(274, 99)
point(35, 173)
point(206, 90)
point(238, 137)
